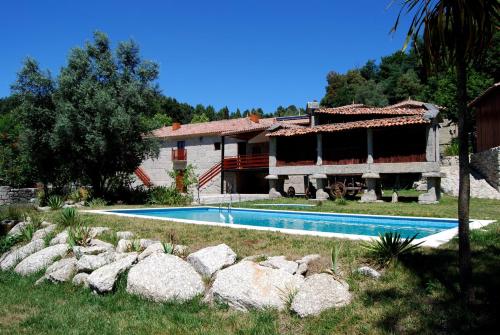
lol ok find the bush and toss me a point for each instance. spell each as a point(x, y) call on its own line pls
point(7, 242)
point(69, 217)
point(170, 196)
point(79, 235)
point(390, 247)
point(341, 201)
point(452, 148)
point(97, 202)
point(55, 202)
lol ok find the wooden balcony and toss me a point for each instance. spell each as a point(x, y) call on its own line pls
point(241, 162)
point(179, 154)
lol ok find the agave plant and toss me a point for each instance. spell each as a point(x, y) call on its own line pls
point(390, 246)
point(168, 248)
point(69, 217)
point(79, 235)
point(55, 202)
point(334, 257)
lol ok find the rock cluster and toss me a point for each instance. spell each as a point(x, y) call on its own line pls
point(257, 282)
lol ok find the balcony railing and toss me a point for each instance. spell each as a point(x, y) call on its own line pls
point(179, 154)
point(246, 162)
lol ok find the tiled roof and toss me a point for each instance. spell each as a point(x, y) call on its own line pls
point(374, 123)
point(222, 127)
point(403, 108)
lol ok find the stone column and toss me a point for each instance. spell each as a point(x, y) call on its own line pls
point(372, 193)
point(319, 149)
point(433, 194)
point(321, 183)
point(272, 152)
point(369, 143)
point(273, 186)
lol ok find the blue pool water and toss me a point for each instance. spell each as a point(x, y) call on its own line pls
point(320, 222)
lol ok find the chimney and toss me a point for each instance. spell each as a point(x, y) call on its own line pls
point(176, 125)
point(254, 117)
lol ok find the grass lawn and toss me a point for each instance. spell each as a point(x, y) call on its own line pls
point(417, 296)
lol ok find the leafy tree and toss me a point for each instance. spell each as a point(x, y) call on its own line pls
point(88, 126)
point(370, 94)
point(456, 33)
point(158, 120)
point(200, 118)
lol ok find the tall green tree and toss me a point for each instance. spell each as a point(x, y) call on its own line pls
point(87, 126)
point(457, 33)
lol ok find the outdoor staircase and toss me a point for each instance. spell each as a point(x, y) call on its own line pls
point(143, 177)
point(213, 172)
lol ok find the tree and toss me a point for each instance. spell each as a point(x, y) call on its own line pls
point(158, 120)
point(34, 89)
point(88, 125)
point(458, 33)
point(200, 118)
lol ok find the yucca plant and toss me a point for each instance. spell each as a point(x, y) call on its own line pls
point(168, 248)
point(69, 217)
point(334, 257)
point(55, 202)
point(79, 235)
point(390, 246)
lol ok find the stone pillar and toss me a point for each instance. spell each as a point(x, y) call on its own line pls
point(321, 183)
point(319, 149)
point(372, 193)
point(274, 187)
point(433, 194)
point(369, 143)
point(272, 152)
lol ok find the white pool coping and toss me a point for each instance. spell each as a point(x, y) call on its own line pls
point(432, 241)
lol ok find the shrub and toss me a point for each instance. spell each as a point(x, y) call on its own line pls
point(390, 246)
point(79, 235)
point(452, 148)
point(55, 202)
point(341, 201)
point(97, 202)
point(69, 217)
point(7, 242)
point(170, 196)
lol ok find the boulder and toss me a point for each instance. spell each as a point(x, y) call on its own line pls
point(161, 277)
point(89, 263)
point(98, 243)
point(81, 279)
point(209, 260)
point(41, 259)
point(152, 249)
point(96, 231)
point(304, 263)
point(103, 279)
point(125, 235)
point(10, 259)
point(91, 250)
point(60, 238)
point(45, 224)
point(123, 245)
point(280, 262)
point(368, 271)
point(17, 229)
point(144, 243)
point(319, 292)
point(248, 285)
point(61, 271)
point(41, 233)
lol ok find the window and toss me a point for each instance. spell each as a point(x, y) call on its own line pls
point(181, 144)
point(217, 145)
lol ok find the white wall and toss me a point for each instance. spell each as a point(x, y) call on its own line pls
point(201, 154)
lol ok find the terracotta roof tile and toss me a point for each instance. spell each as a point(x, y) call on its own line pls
point(222, 127)
point(358, 109)
point(374, 123)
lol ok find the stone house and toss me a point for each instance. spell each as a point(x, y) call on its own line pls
point(486, 158)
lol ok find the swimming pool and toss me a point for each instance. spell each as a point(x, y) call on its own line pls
point(431, 231)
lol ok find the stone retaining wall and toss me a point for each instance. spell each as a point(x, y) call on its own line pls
point(9, 195)
point(488, 164)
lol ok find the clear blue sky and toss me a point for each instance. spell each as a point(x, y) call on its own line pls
point(239, 53)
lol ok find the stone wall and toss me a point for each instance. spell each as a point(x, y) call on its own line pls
point(9, 195)
point(488, 164)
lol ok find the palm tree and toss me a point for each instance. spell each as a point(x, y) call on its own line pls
point(455, 33)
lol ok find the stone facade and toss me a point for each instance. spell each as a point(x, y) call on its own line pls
point(488, 164)
point(201, 154)
point(9, 195)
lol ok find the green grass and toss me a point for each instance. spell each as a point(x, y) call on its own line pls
point(418, 295)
